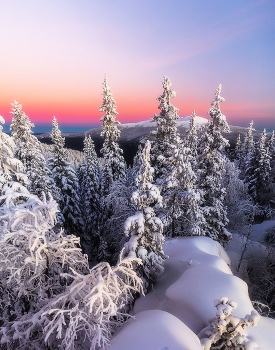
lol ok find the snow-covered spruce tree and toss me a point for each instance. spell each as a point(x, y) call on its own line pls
point(49, 297)
point(247, 148)
point(144, 229)
point(191, 140)
point(165, 135)
point(257, 173)
point(226, 331)
point(249, 143)
point(11, 169)
point(181, 198)
point(89, 183)
point(113, 171)
point(114, 166)
point(211, 168)
point(238, 152)
point(66, 181)
point(29, 151)
point(271, 147)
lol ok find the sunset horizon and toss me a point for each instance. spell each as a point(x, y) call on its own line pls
point(55, 57)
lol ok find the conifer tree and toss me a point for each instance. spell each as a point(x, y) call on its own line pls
point(165, 135)
point(11, 169)
point(238, 151)
point(246, 150)
point(66, 181)
point(113, 172)
point(183, 215)
point(258, 171)
point(89, 181)
point(211, 167)
point(249, 142)
point(28, 150)
point(144, 229)
point(114, 167)
point(192, 136)
point(271, 148)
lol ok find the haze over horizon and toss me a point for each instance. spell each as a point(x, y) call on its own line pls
point(55, 55)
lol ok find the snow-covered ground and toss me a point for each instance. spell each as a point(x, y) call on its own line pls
point(180, 304)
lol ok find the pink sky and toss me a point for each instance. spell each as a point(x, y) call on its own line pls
point(54, 56)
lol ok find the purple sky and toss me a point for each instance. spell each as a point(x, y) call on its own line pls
point(54, 55)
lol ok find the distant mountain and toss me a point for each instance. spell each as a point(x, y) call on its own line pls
point(133, 133)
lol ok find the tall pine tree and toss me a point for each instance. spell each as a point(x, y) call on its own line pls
point(11, 169)
point(89, 181)
point(145, 229)
point(114, 166)
point(211, 167)
point(29, 151)
point(257, 174)
point(165, 136)
point(66, 181)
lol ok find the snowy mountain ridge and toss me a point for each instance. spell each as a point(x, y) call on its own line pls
point(183, 121)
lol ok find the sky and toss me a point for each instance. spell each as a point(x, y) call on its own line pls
point(55, 54)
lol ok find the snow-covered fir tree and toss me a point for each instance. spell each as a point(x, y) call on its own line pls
point(211, 168)
point(246, 150)
point(257, 175)
point(113, 170)
point(181, 199)
point(238, 153)
point(66, 181)
point(271, 148)
point(165, 135)
point(143, 228)
point(29, 151)
point(11, 169)
point(89, 183)
point(249, 143)
point(191, 140)
point(114, 166)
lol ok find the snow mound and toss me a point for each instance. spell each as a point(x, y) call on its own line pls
point(155, 329)
point(191, 297)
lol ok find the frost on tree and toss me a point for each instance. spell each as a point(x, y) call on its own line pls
point(166, 133)
point(239, 204)
point(29, 151)
point(66, 181)
point(192, 137)
point(11, 169)
point(211, 168)
point(181, 198)
point(114, 166)
point(226, 331)
point(257, 175)
point(89, 183)
point(49, 297)
point(144, 229)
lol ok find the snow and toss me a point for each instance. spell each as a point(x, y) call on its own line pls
point(184, 121)
point(169, 333)
point(181, 302)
